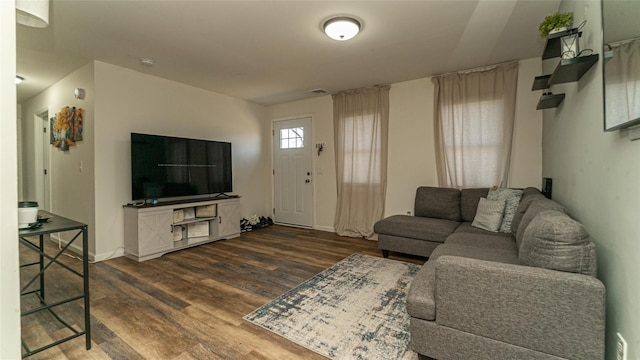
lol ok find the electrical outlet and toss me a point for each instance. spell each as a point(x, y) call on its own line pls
point(621, 347)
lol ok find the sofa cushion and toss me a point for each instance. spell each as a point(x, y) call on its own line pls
point(489, 240)
point(534, 209)
point(503, 255)
point(489, 214)
point(511, 198)
point(529, 195)
point(555, 241)
point(469, 199)
point(438, 203)
point(421, 296)
point(415, 227)
point(466, 227)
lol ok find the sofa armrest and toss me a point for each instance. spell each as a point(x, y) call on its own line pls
point(550, 311)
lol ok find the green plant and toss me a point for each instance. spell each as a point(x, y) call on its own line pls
point(555, 21)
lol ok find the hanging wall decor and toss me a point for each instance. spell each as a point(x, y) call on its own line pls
point(66, 127)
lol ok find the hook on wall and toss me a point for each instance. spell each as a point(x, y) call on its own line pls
point(320, 147)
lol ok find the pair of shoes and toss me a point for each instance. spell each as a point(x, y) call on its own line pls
point(245, 225)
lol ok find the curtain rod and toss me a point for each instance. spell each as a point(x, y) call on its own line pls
point(362, 88)
point(477, 69)
point(622, 42)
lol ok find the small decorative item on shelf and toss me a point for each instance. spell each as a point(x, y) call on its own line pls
point(555, 23)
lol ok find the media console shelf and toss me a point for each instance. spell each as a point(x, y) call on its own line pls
point(154, 230)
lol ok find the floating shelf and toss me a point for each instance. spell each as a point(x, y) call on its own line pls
point(553, 48)
point(570, 70)
point(541, 82)
point(549, 101)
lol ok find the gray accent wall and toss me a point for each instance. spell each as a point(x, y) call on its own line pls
point(596, 176)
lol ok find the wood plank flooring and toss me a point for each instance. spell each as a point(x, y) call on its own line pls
point(189, 304)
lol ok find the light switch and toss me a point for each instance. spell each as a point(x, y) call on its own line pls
point(81, 167)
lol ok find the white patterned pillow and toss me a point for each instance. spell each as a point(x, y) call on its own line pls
point(511, 198)
point(489, 214)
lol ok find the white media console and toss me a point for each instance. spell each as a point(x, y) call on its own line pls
point(154, 230)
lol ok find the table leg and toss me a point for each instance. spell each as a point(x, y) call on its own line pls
point(41, 267)
point(85, 272)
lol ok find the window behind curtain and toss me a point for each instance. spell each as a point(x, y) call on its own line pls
point(473, 117)
point(360, 124)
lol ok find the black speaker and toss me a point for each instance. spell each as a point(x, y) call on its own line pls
point(546, 187)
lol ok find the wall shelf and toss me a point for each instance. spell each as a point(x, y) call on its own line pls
point(567, 70)
point(541, 82)
point(549, 101)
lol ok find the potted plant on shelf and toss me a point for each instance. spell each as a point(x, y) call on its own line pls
point(554, 23)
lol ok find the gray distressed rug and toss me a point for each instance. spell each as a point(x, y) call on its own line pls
point(352, 310)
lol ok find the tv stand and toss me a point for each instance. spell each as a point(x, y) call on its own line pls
point(152, 231)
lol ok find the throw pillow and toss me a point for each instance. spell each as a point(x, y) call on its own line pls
point(489, 214)
point(511, 198)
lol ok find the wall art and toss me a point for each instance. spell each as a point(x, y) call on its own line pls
point(66, 127)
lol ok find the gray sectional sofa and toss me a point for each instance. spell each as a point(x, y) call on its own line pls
point(528, 293)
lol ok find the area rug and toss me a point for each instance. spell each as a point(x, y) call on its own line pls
point(352, 310)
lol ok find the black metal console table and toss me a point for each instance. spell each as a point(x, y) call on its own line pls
point(53, 225)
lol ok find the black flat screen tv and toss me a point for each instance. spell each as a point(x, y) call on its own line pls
point(170, 167)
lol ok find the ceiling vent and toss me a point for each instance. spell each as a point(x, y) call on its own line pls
point(318, 91)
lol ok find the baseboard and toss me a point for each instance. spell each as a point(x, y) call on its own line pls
point(106, 256)
point(324, 228)
point(77, 249)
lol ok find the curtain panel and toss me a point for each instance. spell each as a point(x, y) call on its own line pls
point(361, 122)
point(473, 121)
point(622, 86)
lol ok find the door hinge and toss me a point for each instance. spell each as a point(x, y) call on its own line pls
point(273, 133)
point(44, 130)
point(274, 210)
point(274, 171)
point(45, 171)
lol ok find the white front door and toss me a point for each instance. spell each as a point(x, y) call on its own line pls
point(292, 173)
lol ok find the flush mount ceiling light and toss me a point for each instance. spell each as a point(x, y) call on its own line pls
point(341, 28)
point(19, 79)
point(34, 13)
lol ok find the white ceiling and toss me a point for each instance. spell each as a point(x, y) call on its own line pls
point(271, 52)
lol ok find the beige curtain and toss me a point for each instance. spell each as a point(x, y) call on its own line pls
point(622, 84)
point(361, 122)
point(473, 118)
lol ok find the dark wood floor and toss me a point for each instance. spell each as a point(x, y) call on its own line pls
point(189, 304)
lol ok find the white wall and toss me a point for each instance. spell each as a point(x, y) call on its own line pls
point(127, 101)
point(9, 276)
point(596, 176)
point(411, 158)
point(72, 190)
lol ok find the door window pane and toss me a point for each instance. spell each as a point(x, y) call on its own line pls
point(292, 138)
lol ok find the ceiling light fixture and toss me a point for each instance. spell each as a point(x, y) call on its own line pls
point(19, 79)
point(34, 13)
point(341, 28)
